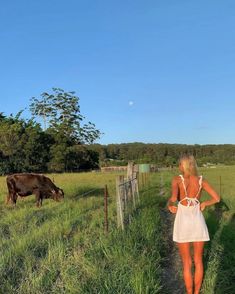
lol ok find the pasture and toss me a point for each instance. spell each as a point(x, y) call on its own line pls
point(62, 247)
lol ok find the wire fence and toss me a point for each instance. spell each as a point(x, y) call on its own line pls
point(104, 192)
point(127, 198)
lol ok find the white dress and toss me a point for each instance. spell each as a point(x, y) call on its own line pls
point(189, 224)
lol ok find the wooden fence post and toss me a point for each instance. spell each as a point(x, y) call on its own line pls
point(137, 186)
point(120, 216)
point(130, 170)
point(132, 192)
point(127, 195)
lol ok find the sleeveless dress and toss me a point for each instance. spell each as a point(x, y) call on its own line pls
point(189, 224)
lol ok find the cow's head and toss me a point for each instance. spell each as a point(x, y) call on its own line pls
point(57, 194)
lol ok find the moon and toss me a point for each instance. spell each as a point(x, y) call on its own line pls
point(131, 103)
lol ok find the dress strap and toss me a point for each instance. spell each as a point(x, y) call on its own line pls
point(200, 186)
point(182, 178)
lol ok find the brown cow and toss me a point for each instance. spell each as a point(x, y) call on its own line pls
point(26, 184)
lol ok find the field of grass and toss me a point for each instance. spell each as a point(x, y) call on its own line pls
point(62, 247)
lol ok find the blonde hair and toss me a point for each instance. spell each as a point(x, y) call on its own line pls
point(189, 164)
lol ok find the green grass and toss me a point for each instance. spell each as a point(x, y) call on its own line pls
point(62, 247)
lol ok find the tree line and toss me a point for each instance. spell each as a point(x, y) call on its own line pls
point(65, 142)
point(162, 154)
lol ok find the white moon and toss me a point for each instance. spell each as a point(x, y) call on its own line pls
point(131, 103)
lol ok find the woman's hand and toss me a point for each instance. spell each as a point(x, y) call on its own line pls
point(203, 206)
point(172, 208)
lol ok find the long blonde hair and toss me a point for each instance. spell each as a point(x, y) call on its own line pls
point(189, 164)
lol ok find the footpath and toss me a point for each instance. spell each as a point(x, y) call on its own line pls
point(171, 268)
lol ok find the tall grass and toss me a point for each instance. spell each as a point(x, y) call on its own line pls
point(62, 248)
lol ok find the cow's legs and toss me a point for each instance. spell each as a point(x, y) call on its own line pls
point(12, 195)
point(14, 198)
point(8, 198)
point(38, 198)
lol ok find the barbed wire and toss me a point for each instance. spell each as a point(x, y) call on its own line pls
point(88, 192)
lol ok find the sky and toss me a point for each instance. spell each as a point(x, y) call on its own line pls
point(153, 71)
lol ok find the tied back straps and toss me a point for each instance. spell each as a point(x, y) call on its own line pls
point(186, 194)
point(191, 201)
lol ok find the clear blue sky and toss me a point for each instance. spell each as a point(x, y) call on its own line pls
point(146, 71)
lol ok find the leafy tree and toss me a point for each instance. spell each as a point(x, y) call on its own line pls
point(61, 111)
point(23, 145)
point(58, 153)
point(36, 146)
point(81, 158)
point(42, 108)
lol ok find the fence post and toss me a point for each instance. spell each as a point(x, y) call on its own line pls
point(127, 196)
point(137, 186)
point(130, 170)
point(106, 225)
point(132, 192)
point(120, 217)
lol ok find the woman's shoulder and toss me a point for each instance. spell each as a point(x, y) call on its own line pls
point(179, 178)
point(176, 179)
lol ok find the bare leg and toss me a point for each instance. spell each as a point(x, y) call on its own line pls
point(184, 249)
point(198, 255)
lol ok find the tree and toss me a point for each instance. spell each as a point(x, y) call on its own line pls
point(36, 146)
point(42, 108)
point(23, 145)
point(61, 111)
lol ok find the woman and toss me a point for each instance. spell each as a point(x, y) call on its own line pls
point(189, 225)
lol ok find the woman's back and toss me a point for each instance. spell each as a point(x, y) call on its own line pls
point(189, 186)
point(189, 223)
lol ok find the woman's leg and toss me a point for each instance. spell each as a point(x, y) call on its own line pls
point(184, 249)
point(198, 256)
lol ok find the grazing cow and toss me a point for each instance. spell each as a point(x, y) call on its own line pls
point(26, 184)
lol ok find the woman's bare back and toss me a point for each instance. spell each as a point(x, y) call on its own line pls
point(192, 185)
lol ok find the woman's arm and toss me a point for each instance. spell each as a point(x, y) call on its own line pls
point(174, 196)
point(215, 198)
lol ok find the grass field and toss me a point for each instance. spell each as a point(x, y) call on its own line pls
point(62, 248)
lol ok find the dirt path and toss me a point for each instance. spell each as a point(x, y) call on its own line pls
point(172, 269)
